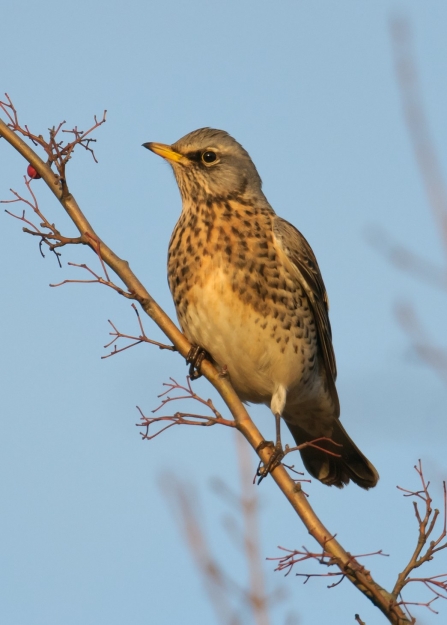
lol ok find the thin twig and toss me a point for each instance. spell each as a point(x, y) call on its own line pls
point(427, 520)
point(137, 340)
point(181, 418)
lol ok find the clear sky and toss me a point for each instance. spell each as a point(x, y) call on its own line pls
point(86, 532)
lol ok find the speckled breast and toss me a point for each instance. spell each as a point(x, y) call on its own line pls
point(236, 299)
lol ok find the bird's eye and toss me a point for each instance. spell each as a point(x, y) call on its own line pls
point(209, 156)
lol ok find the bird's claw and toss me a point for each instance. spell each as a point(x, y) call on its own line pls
point(275, 459)
point(195, 357)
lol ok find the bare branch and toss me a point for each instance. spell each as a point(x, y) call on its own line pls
point(59, 154)
point(50, 235)
point(56, 151)
point(182, 418)
point(174, 386)
point(293, 557)
point(417, 123)
point(315, 445)
point(137, 340)
point(427, 520)
point(97, 280)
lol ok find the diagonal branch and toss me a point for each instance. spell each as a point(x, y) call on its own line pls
point(356, 573)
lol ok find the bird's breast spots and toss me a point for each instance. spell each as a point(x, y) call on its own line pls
point(235, 231)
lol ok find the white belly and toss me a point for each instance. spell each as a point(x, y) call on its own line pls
point(242, 341)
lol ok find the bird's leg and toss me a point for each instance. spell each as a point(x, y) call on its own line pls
point(278, 431)
point(277, 455)
point(195, 357)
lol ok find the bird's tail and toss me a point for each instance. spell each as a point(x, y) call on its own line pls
point(349, 464)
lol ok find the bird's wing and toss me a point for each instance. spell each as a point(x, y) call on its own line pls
point(301, 255)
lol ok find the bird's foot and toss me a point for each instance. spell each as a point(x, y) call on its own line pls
point(195, 357)
point(275, 459)
point(223, 373)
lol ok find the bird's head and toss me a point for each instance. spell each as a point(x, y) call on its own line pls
point(209, 163)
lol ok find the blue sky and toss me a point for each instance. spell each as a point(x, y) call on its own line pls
point(309, 89)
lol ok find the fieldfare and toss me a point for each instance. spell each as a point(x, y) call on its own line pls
point(248, 290)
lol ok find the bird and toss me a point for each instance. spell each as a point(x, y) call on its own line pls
point(248, 291)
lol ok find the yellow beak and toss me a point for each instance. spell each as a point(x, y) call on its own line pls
point(166, 152)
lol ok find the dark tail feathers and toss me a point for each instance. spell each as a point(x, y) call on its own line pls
point(331, 470)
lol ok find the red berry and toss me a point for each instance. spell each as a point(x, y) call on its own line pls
point(32, 173)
